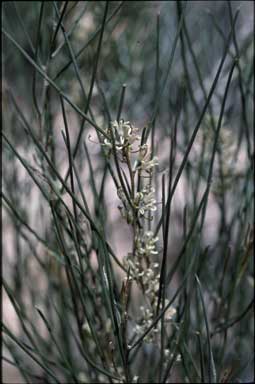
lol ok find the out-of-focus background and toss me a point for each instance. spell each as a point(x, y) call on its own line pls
point(138, 53)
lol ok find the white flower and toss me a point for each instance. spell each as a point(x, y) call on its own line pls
point(138, 329)
point(170, 313)
point(146, 244)
point(170, 355)
point(86, 329)
point(147, 165)
point(143, 151)
point(178, 358)
point(82, 378)
point(149, 201)
point(124, 135)
point(144, 201)
point(145, 162)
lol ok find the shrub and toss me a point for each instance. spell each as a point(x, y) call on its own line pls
point(127, 191)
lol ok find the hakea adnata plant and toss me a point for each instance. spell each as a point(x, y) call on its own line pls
point(138, 204)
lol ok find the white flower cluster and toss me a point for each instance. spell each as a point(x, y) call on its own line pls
point(147, 318)
point(136, 208)
point(145, 322)
point(145, 276)
point(124, 135)
point(170, 355)
point(146, 245)
point(142, 268)
point(140, 264)
point(140, 159)
point(143, 204)
point(144, 201)
point(145, 162)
